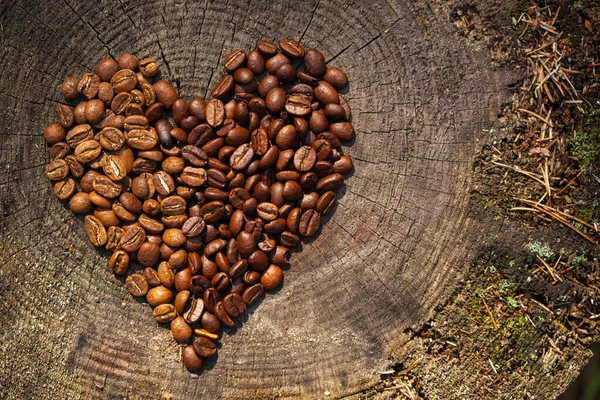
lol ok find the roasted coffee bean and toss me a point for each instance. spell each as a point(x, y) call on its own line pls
point(181, 331)
point(137, 285)
point(64, 189)
point(151, 277)
point(275, 99)
point(214, 246)
point(330, 182)
point(165, 94)
point(288, 239)
point(57, 170)
point(234, 60)
point(211, 298)
point(133, 239)
point(314, 62)
point(291, 48)
point(266, 48)
point(194, 155)
point(336, 78)
point(286, 74)
point(309, 223)
point(272, 277)
point(54, 133)
point(198, 284)
point(220, 281)
point(267, 211)
point(222, 315)
point(106, 187)
point(224, 87)
point(142, 139)
point(298, 105)
point(194, 312)
point(69, 88)
point(342, 130)
point(241, 157)
point(88, 85)
point(193, 227)
point(194, 177)
point(164, 313)
point(238, 269)
point(87, 151)
point(253, 293)
point(190, 359)
point(78, 134)
point(212, 212)
point(148, 67)
point(181, 299)
point(234, 305)
point(210, 322)
point(119, 262)
point(204, 347)
point(159, 295)
point(95, 230)
point(124, 80)
point(215, 113)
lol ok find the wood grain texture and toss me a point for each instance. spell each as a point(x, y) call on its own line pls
point(422, 101)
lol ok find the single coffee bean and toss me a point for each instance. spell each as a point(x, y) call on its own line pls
point(69, 88)
point(148, 67)
point(88, 85)
point(137, 285)
point(275, 99)
point(94, 111)
point(292, 191)
point(57, 170)
point(220, 281)
point(148, 254)
point(253, 293)
point(151, 277)
point(288, 239)
point(190, 359)
point(54, 133)
point(181, 331)
point(224, 87)
point(314, 62)
point(234, 305)
point(234, 60)
point(251, 278)
point(79, 113)
point(241, 157)
point(276, 62)
point(343, 130)
point(165, 94)
point(133, 239)
point(309, 223)
point(330, 182)
point(272, 277)
point(80, 203)
point(281, 256)
point(181, 300)
point(142, 139)
point(87, 151)
point(65, 117)
point(193, 227)
point(344, 165)
point(267, 211)
point(238, 269)
point(106, 187)
point(286, 74)
point(336, 78)
point(215, 113)
point(119, 262)
point(159, 295)
point(222, 315)
point(106, 68)
point(64, 189)
point(210, 322)
point(326, 93)
point(266, 48)
point(194, 312)
point(78, 134)
point(95, 230)
point(204, 347)
point(194, 177)
point(113, 235)
point(286, 137)
point(198, 284)
point(298, 105)
point(213, 211)
point(164, 313)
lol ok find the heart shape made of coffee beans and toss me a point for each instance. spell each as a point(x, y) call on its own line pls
point(201, 202)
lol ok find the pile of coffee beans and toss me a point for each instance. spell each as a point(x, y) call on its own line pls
point(201, 202)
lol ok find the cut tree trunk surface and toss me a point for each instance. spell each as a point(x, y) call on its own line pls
point(423, 103)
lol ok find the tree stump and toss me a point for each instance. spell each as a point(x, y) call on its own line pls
point(423, 104)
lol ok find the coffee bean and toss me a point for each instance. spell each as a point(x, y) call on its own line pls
point(69, 88)
point(148, 67)
point(194, 177)
point(288, 239)
point(137, 285)
point(133, 239)
point(88, 85)
point(275, 99)
point(215, 113)
point(234, 305)
point(165, 94)
point(142, 139)
point(267, 211)
point(95, 230)
point(190, 359)
point(309, 223)
point(343, 130)
point(241, 157)
point(272, 277)
point(314, 62)
point(326, 93)
point(330, 182)
point(336, 78)
point(57, 170)
point(253, 293)
point(204, 347)
point(291, 48)
point(119, 262)
point(234, 60)
point(224, 87)
point(181, 331)
point(64, 189)
point(222, 315)
point(298, 105)
point(276, 62)
point(159, 295)
point(80, 203)
point(164, 313)
point(194, 312)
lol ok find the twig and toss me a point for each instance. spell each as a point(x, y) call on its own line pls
point(489, 312)
point(536, 115)
point(569, 184)
point(557, 217)
point(519, 170)
point(492, 364)
point(551, 270)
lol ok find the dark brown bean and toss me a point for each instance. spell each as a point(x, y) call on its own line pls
point(137, 285)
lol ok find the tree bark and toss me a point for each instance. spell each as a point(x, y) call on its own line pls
point(423, 101)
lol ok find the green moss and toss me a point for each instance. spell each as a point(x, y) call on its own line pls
point(540, 249)
point(585, 144)
point(587, 212)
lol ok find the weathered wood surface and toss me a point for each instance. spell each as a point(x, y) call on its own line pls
point(423, 102)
